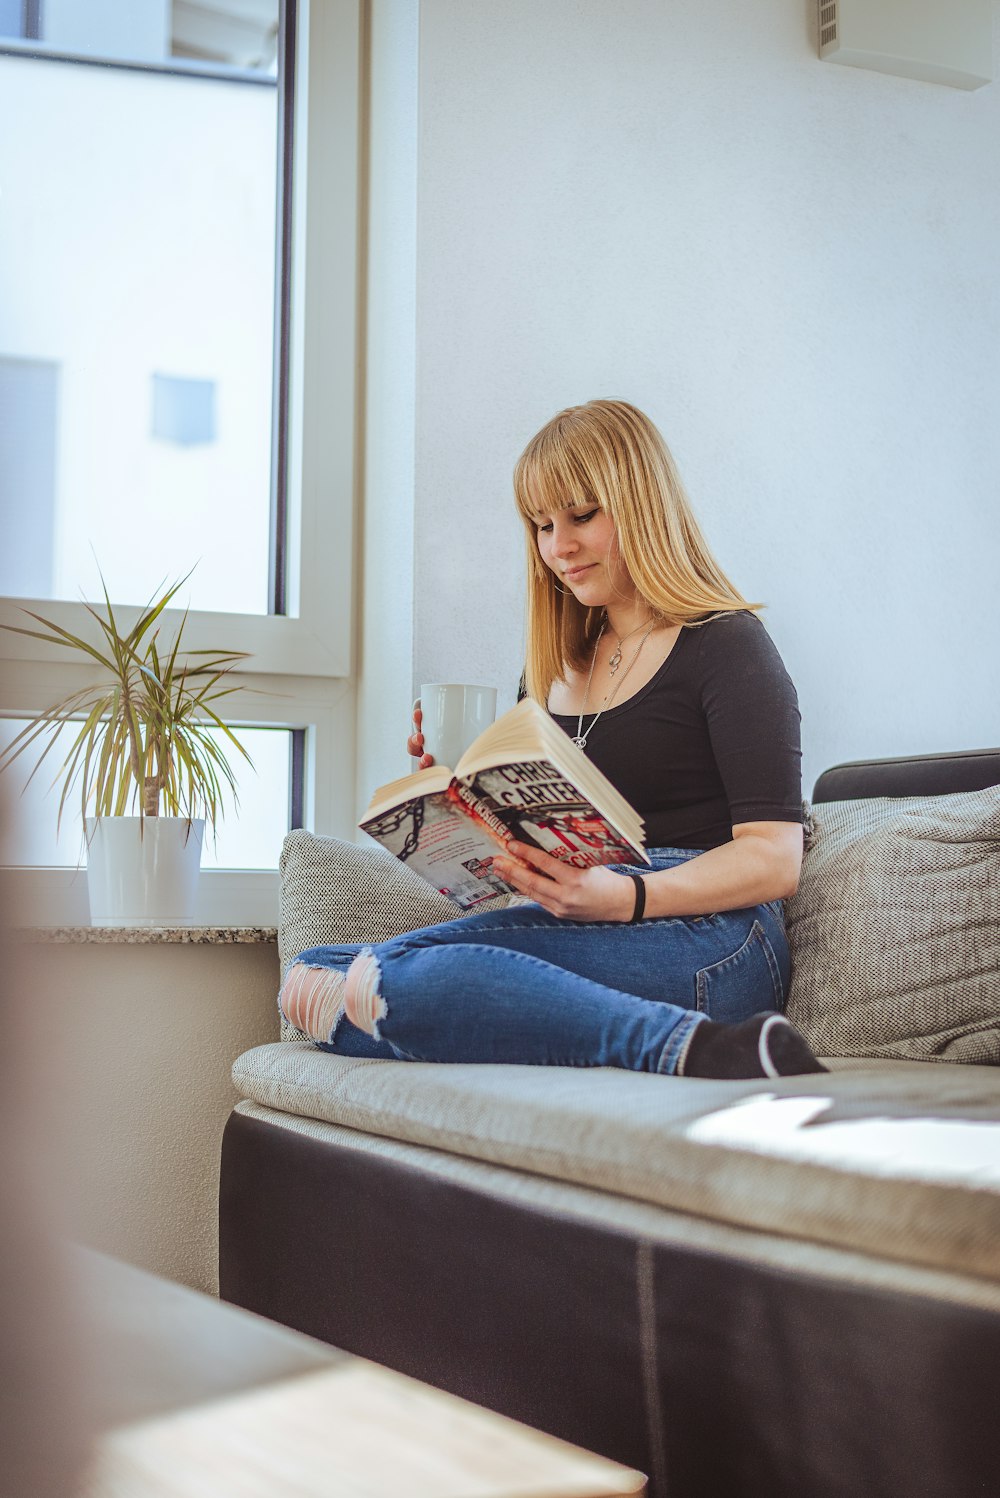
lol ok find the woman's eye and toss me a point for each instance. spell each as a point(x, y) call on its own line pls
point(544, 529)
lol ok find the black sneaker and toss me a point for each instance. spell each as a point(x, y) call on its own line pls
point(764, 1046)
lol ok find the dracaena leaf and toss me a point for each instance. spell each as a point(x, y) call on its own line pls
point(148, 723)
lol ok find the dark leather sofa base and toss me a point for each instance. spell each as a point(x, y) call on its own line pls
point(719, 1378)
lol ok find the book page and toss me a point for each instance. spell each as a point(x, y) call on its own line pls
point(452, 851)
point(397, 792)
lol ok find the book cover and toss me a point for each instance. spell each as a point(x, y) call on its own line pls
point(452, 851)
point(534, 802)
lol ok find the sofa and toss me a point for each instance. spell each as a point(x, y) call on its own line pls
point(773, 1288)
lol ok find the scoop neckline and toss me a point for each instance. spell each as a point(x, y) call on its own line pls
point(619, 708)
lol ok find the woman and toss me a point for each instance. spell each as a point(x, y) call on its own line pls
point(646, 654)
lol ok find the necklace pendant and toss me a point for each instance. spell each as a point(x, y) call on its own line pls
point(580, 742)
point(615, 661)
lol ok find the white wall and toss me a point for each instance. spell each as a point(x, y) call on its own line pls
point(131, 1048)
point(791, 266)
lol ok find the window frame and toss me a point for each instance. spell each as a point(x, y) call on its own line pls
point(299, 671)
point(33, 47)
point(315, 637)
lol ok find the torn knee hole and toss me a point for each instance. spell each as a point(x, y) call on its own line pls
point(363, 1001)
point(312, 998)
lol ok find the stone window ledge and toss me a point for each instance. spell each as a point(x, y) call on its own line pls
point(143, 935)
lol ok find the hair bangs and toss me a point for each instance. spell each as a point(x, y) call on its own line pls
point(551, 476)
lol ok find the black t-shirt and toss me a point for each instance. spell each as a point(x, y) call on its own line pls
point(711, 741)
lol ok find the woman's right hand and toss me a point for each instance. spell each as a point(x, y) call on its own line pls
point(415, 743)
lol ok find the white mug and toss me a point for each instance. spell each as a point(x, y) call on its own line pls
point(455, 714)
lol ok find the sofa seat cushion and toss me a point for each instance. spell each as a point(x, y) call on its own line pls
point(899, 1160)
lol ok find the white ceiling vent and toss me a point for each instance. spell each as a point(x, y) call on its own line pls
point(938, 41)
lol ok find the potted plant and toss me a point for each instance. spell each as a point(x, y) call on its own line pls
point(148, 772)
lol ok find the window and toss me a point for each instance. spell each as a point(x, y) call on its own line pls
point(31, 835)
point(19, 18)
point(183, 410)
point(29, 394)
point(181, 435)
point(240, 34)
point(170, 287)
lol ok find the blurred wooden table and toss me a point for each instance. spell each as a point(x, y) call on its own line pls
point(200, 1399)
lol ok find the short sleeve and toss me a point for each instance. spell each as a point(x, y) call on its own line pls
point(752, 712)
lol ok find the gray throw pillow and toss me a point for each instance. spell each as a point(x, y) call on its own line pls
point(334, 892)
point(895, 929)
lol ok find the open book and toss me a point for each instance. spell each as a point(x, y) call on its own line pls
point(523, 779)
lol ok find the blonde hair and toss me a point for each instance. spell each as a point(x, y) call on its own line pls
point(608, 454)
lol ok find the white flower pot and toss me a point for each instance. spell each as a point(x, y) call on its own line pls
point(143, 871)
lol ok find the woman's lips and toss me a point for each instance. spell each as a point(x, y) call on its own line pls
point(572, 573)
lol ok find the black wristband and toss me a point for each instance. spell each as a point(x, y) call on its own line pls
point(640, 898)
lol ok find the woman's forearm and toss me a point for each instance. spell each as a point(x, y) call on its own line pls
point(760, 864)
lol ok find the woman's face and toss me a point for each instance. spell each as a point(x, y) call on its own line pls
point(580, 546)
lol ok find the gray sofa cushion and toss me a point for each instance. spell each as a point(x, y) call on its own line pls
point(895, 1159)
point(895, 929)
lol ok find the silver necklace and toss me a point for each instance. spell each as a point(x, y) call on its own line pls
point(616, 659)
point(580, 738)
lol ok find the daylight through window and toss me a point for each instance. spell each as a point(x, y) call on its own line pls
point(137, 343)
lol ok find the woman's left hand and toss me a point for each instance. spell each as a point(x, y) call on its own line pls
point(574, 894)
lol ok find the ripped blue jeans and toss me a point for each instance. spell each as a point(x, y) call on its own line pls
point(527, 987)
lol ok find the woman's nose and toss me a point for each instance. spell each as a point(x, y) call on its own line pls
point(564, 543)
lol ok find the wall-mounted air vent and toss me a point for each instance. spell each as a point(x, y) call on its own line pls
point(827, 22)
point(938, 41)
